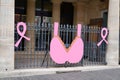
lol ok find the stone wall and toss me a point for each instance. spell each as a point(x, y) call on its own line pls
point(94, 9)
point(84, 11)
point(6, 35)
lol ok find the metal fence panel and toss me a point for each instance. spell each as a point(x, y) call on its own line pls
point(27, 56)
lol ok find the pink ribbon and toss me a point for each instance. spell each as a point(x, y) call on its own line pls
point(21, 33)
point(103, 36)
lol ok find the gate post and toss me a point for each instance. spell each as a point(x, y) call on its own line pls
point(6, 35)
point(112, 56)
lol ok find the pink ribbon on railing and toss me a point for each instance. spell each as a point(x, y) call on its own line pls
point(22, 34)
point(103, 36)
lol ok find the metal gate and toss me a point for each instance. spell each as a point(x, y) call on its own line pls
point(35, 53)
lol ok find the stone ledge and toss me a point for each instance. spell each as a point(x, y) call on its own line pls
point(44, 71)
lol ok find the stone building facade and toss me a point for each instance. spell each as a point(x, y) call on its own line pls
point(84, 11)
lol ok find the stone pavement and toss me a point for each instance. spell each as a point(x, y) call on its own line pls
point(111, 74)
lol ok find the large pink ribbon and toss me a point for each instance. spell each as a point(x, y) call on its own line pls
point(22, 34)
point(103, 36)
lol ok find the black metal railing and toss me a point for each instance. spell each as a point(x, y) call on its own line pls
point(35, 53)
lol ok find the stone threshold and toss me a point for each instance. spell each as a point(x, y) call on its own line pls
point(47, 71)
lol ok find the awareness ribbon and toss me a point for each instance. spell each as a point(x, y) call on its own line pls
point(22, 34)
point(103, 36)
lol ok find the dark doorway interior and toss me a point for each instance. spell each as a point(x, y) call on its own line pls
point(66, 16)
point(105, 19)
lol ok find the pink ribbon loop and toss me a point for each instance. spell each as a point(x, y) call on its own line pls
point(22, 34)
point(103, 36)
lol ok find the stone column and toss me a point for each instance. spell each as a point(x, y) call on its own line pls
point(30, 19)
point(6, 35)
point(119, 32)
point(56, 10)
point(112, 56)
point(79, 12)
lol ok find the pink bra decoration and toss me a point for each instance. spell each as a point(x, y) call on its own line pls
point(60, 54)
